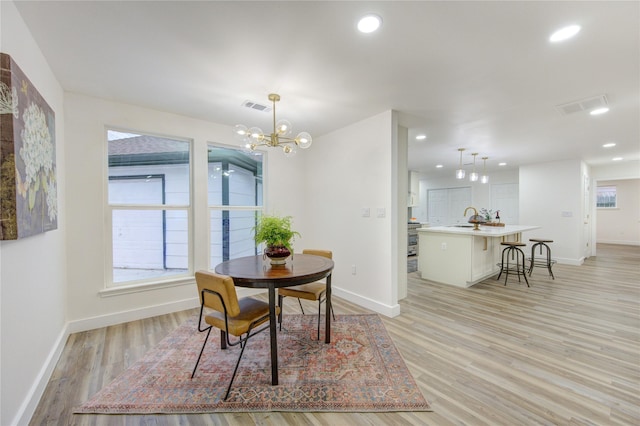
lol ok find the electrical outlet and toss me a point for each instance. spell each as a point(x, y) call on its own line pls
point(353, 269)
point(443, 246)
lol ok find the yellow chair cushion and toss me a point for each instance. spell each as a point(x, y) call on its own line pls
point(312, 291)
point(250, 310)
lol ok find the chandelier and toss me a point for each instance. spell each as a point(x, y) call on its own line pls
point(254, 136)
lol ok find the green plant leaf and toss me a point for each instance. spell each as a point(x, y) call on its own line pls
point(275, 231)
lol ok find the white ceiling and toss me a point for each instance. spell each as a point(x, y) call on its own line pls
point(478, 74)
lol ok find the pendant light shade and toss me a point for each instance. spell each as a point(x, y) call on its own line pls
point(474, 175)
point(484, 178)
point(460, 172)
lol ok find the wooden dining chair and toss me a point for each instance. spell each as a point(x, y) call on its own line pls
point(312, 291)
point(241, 318)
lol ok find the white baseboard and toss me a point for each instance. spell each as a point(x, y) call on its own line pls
point(567, 261)
point(619, 242)
point(30, 403)
point(386, 310)
point(131, 315)
point(35, 393)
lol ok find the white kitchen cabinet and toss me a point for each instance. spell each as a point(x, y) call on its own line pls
point(461, 256)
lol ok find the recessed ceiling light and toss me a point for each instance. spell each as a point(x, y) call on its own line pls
point(599, 111)
point(616, 159)
point(564, 33)
point(502, 164)
point(369, 23)
point(609, 145)
point(439, 166)
point(421, 137)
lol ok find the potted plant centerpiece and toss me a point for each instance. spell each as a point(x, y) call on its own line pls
point(488, 217)
point(276, 233)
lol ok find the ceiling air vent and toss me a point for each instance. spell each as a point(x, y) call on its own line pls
point(256, 106)
point(587, 104)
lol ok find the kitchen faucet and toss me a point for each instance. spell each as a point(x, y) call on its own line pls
point(474, 218)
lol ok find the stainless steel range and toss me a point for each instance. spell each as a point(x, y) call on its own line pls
point(412, 240)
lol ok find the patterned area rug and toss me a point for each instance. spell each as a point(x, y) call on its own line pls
point(360, 371)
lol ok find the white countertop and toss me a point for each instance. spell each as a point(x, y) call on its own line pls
point(484, 231)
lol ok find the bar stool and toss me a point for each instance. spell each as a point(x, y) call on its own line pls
point(513, 250)
point(546, 263)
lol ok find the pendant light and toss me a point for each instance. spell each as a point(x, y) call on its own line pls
point(474, 175)
point(484, 178)
point(460, 171)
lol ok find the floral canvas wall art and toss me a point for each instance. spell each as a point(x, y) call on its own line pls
point(28, 185)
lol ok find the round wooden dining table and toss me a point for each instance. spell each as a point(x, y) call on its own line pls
point(257, 272)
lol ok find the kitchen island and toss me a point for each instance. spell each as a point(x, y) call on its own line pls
point(460, 256)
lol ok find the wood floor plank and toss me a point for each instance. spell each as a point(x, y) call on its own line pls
point(563, 351)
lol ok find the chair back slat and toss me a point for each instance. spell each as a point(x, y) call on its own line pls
point(221, 284)
point(316, 252)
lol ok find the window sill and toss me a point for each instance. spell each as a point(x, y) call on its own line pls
point(146, 286)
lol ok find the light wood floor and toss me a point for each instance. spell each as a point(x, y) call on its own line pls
point(563, 352)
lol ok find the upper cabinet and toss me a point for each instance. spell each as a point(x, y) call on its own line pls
point(414, 187)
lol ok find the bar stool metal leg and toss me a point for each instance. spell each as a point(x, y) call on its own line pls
point(548, 263)
point(514, 253)
point(520, 254)
point(502, 264)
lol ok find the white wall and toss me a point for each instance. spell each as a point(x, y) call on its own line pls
point(480, 193)
point(620, 225)
point(612, 171)
point(399, 172)
point(617, 170)
point(292, 189)
point(86, 240)
point(551, 197)
point(350, 170)
point(325, 203)
point(32, 270)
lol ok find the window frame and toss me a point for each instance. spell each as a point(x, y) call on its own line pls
point(613, 188)
point(109, 287)
point(226, 208)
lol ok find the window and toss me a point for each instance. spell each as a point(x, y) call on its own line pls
point(606, 197)
point(149, 207)
point(235, 200)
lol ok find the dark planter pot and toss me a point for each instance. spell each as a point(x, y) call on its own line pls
point(277, 254)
